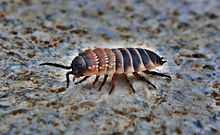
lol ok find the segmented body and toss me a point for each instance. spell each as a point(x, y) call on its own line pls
point(102, 61)
point(105, 61)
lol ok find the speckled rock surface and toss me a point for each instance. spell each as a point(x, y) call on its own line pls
point(34, 100)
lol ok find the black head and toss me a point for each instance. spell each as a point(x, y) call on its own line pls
point(78, 66)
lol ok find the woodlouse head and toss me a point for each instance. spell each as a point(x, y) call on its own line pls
point(78, 66)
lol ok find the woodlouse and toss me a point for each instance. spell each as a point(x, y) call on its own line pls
point(105, 61)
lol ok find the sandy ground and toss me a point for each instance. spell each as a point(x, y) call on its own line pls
point(34, 100)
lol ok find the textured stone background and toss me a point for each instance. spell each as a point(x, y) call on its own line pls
point(34, 100)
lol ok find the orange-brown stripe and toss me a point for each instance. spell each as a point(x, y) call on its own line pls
point(111, 61)
point(102, 59)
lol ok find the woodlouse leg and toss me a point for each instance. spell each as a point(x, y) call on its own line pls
point(68, 78)
point(74, 78)
point(129, 83)
point(82, 80)
point(113, 83)
point(139, 77)
point(157, 74)
point(104, 80)
point(96, 79)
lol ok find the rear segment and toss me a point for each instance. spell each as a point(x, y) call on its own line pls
point(156, 59)
point(129, 60)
